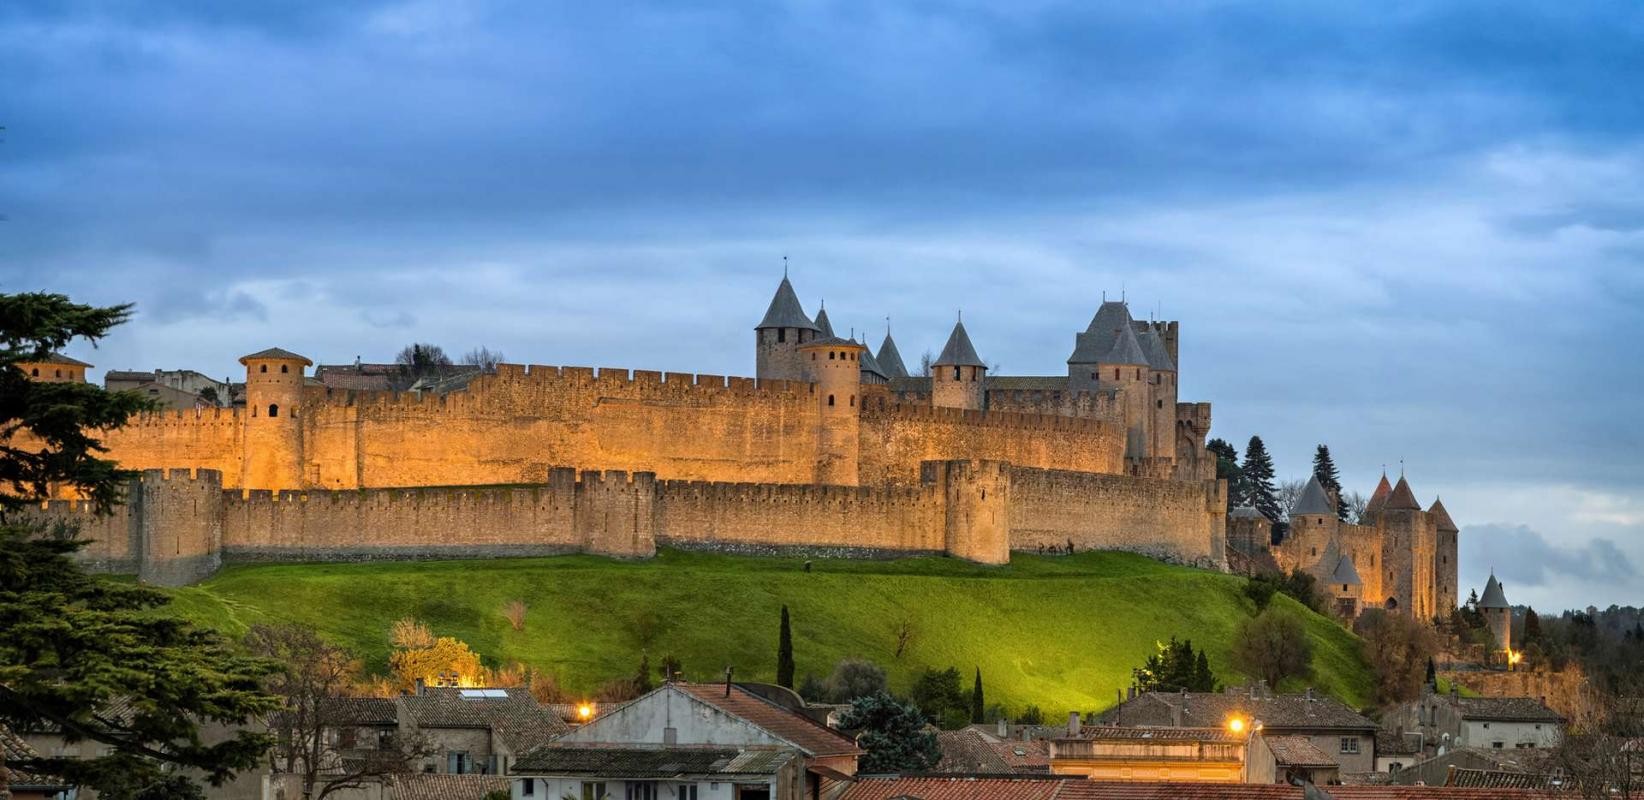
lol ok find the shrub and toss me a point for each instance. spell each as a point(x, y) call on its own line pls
point(514, 610)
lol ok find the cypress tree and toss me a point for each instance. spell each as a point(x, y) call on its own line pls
point(1532, 626)
point(1227, 469)
point(1258, 479)
point(784, 653)
point(1203, 679)
point(976, 705)
point(1432, 673)
point(1325, 468)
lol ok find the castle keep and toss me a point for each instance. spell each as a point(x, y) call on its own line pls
point(829, 448)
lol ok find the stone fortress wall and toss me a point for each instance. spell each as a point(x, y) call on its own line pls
point(179, 526)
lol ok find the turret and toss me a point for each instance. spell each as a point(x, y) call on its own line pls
point(835, 366)
point(1408, 544)
point(1445, 556)
point(1123, 369)
point(1498, 614)
point(956, 376)
point(890, 359)
point(780, 334)
point(273, 436)
point(1161, 405)
point(1093, 343)
point(1346, 587)
point(55, 368)
point(1313, 527)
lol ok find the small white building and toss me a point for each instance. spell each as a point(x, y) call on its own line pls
point(1448, 722)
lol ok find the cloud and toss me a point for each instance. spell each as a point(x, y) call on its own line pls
point(1520, 555)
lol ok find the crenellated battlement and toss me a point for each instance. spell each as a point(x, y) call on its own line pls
point(186, 417)
point(1050, 423)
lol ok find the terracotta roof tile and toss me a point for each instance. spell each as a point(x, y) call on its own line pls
point(970, 752)
point(431, 786)
point(808, 735)
point(1298, 751)
point(1279, 713)
point(653, 762)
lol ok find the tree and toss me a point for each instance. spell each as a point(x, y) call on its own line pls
point(1398, 649)
point(313, 683)
point(445, 661)
point(893, 734)
point(1325, 468)
point(1532, 627)
point(1032, 715)
point(978, 708)
point(209, 394)
point(784, 653)
point(1227, 469)
point(1273, 646)
point(484, 358)
point(1257, 479)
point(925, 364)
point(1352, 506)
point(939, 695)
point(642, 676)
point(422, 359)
point(1174, 668)
point(1289, 492)
point(670, 668)
point(73, 646)
point(853, 678)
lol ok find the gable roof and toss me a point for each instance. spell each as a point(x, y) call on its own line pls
point(659, 762)
point(516, 718)
point(963, 787)
point(275, 354)
point(1298, 751)
point(1402, 497)
point(1314, 500)
point(785, 311)
point(55, 357)
point(1493, 597)
point(1153, 346)
point(432, 786)
point(1280, 712)
point(811, 737)
point(1442, 516)
point(1246, 512)
point(970, 752)
point(15, 749)
point(958, 352)
point(1505, 709)
point(889, 358)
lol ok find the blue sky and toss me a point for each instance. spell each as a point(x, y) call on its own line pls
point(1414, 232)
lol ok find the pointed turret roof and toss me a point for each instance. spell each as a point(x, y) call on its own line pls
point(1153, 346)
point(958, 352)
point(890, 359)
point(1493, 597)
point(1402, 497)
point(1442, 517)
point(1378, 499)
point(1090, 346)
point(785, 311)
point(823, 326)
point(1125, 350)
point(1345, 573)
point(869, 363)
point(1314, 500)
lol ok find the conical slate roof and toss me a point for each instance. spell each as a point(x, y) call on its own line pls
point(1090, 346)
point(1153, 346)
point(785, 311)
point(1314, 500)
point(1402, 497)
point(1378, 499)
point(1442, 517)
point(1345, 573)
point(1125, 350)
point(822, 324)
point(958, 352)
point(1246, 512)
point(890, 359)
point(1493, 597)
point(869, 364)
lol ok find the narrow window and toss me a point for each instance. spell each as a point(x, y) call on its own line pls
point(830, 400)
point(830, 355)
point(1138, 373)
point(782, 334)
point(853, 401)
point(1115, 373)
point(262, 367)
point(974, 371)
point(956, 373)
point(35, 372)
point(813, 356)
point(1159, 403)
point(285, 368)
point(528, 788)
point(273, 409)
point(1093, 376)
point(59, 373)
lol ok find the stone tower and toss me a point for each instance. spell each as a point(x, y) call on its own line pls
point(1497, 614)
point(1123, 370)
point(835, 366)
point(779, 336)
point(55, 368)
point(1445, 566)
point(1408, 544)
point(1313, 526)
point(273, 433)
point(1093, 343)
point(956, 376)
point(1161, 401)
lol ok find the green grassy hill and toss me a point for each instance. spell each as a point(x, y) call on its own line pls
point(1063, 632)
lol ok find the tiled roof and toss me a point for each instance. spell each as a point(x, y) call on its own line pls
point(1246, 512)
point(1125, 349)
point(969, 751)
point(1442, 516)
point(1314, 500)
point(1498, 779)
point(785, 311)
point(958, 352)
point(797, 729)
point(1105, 790)
point(656, 762)
point(127, 375)
point(361, 711)
point(1493, 597)
point(890, 359)
point(1158, 733)
point(517, 719)
point(1029, 756)
point(962, 787)
point(1345, 573)
point(1505, 709)
point(1403, 497)
point(915, 383)
point(15, 749)
point(1027, 383)
point(1391, 743)
point(431, 786)
point(275, 353)
point(870, 364)
point(1212, 709)
point(824, 326)
point(1298, 751)
point(1378, 499)
point(58, 358)
point(1090, 346)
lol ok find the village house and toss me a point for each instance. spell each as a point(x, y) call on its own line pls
point(1449, 721)
point(27, 785)
point(477, 731)
point(989, 750)
point(1146, 753)
point(687, 741)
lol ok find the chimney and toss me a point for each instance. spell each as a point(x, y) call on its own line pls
point(728, 681)
point(1002, 729)
point(422, 687)
point(1073, 723)
point(1176, 714)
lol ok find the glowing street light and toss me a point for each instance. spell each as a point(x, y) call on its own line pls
point(1236, 725)
point(585, 712)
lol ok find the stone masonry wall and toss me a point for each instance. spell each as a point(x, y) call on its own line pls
point(897, 438)
point(1171, 520)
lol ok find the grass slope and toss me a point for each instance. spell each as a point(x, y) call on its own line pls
point(1060, 632)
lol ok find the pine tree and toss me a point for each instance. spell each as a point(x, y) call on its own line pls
point(1325, 468)
point(978, 709)
point(784, 653)
point(1532, 626)
point(1257, 479)
point(1203, 679)
point(1227, 469)
point(893, 734)
point(1432, 673)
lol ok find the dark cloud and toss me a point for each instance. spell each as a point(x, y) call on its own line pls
point(1522, 556)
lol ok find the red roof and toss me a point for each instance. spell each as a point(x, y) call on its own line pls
point(960, 787)
point(1063, 788)
point(806, 734)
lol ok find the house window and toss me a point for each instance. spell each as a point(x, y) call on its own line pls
point(457, 763)
point(1496, 745)
point(686, 791)
point(830, 355)
point(641, 790)
point(1524, 745)
point(59, 373)
point(528, 787)
point(1350, 744)
point(593, 791)
point(273, 409)
point(35, 372)
point(1158, 404)
point(1486, 726)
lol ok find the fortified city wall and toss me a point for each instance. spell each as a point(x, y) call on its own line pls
point(179, 526)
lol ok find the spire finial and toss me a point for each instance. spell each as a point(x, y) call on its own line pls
point(1401, 469)
point(784, 267)
point(887, 324)
point(823, 303)
point(961, 316)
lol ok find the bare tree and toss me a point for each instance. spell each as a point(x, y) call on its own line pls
point(1355, 503)
point(1398, 648)
point(905, 634)
point(422, 358)
point(1600, 753)
point(484, 357)
point(312, 732)
point(1289, 493)
point(924, 364)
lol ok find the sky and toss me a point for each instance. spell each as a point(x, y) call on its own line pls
point(1413, 231)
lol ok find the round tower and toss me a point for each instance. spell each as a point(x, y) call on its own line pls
point(55, 368)
point(1498, 614)
point(835, 366)
point(273, 432)
point(957, 376)
point(779, 336)
point(1313, 530)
